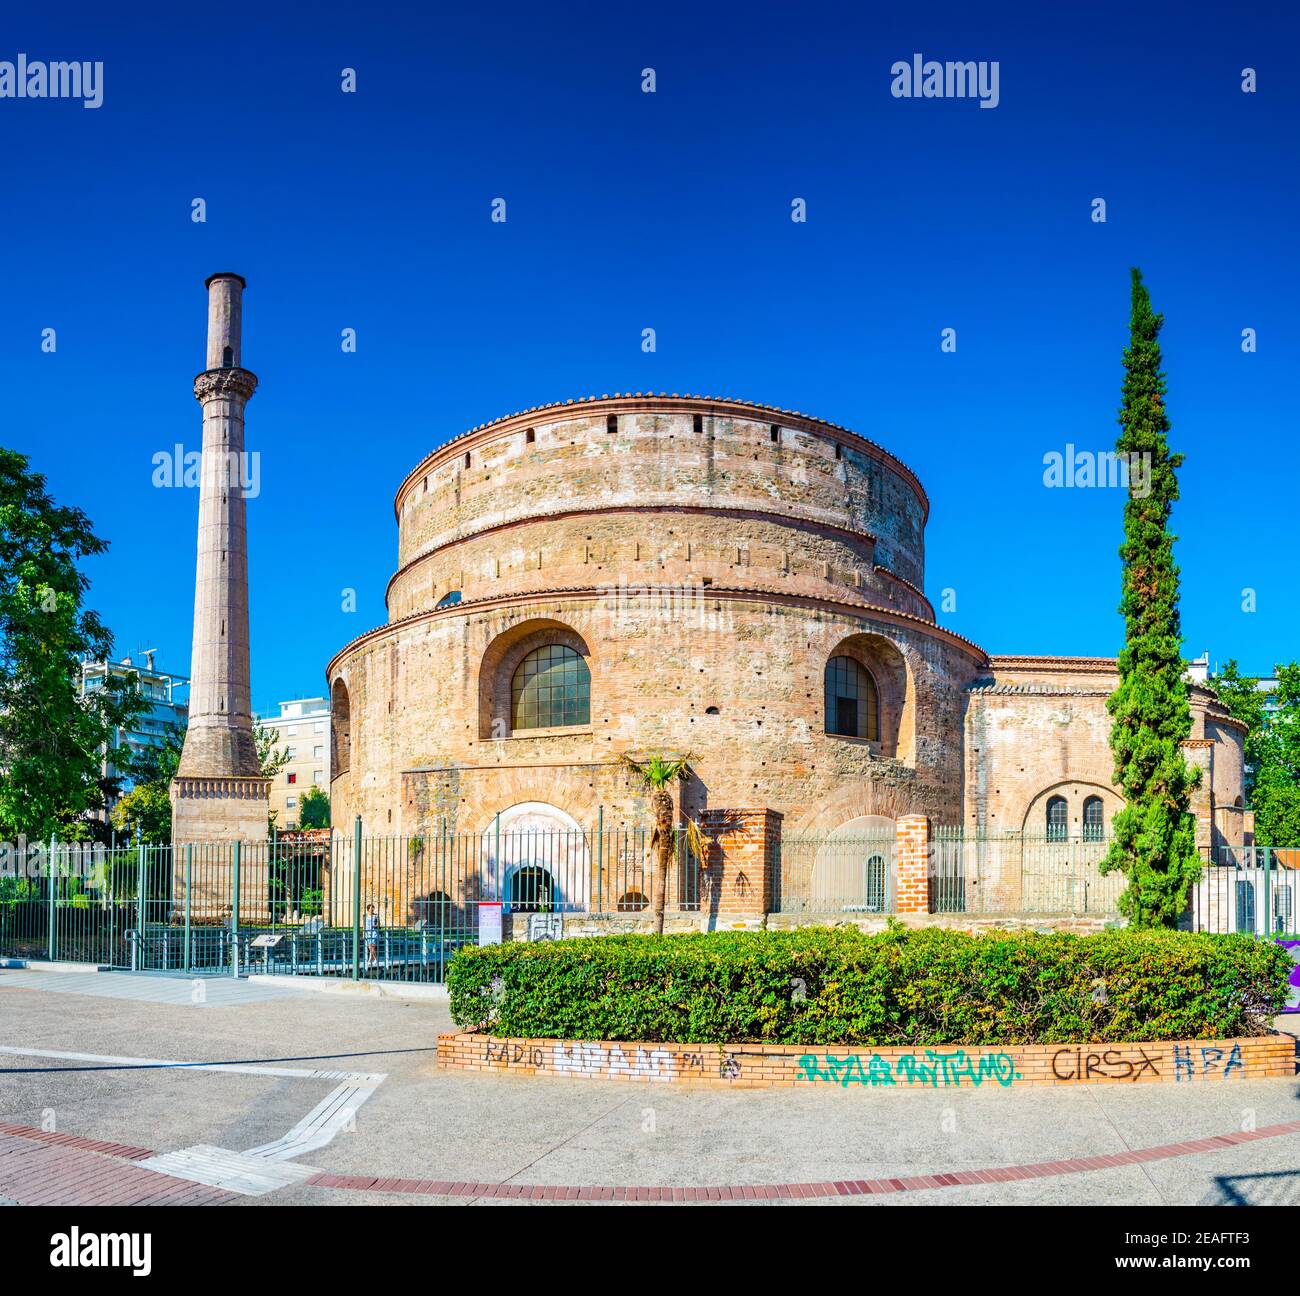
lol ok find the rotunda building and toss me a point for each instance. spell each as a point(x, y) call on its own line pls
point(651, 574)
point(644, 574)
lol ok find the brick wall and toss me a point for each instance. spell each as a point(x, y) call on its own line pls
point(749, 1066)
point(742, 861)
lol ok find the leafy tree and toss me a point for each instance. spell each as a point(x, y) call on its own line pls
point(314, 809)
point(53, 742)
point(145, 814)
point(146, 810)
point(1272, 748)
point(1154, 834)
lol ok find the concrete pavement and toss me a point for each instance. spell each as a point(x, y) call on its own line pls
point(284, 1060)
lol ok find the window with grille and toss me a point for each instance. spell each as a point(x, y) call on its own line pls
point(1094, 819)
point(1058, 819)
point(852, 709)
point(551, 688)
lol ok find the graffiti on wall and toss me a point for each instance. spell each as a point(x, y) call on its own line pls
point(1111, 1064)
point(932, 1068)
point(611, 1062)
point(936, 1070)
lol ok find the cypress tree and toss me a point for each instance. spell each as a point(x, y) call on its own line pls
point(1155, 834)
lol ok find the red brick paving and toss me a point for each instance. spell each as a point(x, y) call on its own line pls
point(40, 1169)
point(74, 1141)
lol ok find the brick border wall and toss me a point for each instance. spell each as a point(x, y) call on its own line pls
point(755, 1066)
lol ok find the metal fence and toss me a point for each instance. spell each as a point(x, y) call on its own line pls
point(337, 905)
point(1253, 889)
point(400, 907)
point(1018, 873)
point(836, 874)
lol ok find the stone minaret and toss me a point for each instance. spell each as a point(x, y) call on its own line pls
point(218, 793)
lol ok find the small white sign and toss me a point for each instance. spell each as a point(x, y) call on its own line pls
point(266, 941)
point(489, 922)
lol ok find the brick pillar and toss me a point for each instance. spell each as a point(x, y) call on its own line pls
point(742, 859)
point(912, 864)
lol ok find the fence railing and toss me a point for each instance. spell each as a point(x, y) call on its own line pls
point(1018, 873)
point(1252, 889)
point(836, 874)
point(339, 904)
point(343, 904)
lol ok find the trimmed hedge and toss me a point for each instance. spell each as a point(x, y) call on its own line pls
point(903, 987)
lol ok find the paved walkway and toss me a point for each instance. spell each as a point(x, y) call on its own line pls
point(323, 1099)
point(150, 987)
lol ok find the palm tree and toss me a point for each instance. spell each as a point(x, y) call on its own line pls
point(657, 773)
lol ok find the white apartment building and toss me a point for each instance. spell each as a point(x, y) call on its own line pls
point(303, 729)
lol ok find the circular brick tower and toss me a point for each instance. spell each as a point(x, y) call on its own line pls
point(644, 574)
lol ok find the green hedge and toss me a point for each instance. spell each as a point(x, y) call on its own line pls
point(838, 986)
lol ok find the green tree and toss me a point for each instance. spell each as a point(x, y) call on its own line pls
point(1272, 748)
point(145, 814)
point(53, 742)
point(1154, 834)
point(314, 809)
point(146, 810)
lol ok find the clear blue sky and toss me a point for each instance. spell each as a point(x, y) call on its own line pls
point(671, 211)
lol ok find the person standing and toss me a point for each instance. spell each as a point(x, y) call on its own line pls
point(372, 938)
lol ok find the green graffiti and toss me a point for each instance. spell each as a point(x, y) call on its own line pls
point(937, 1070)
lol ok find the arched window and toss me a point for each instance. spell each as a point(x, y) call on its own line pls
point(340, 729)
point(448, 600)
point(1094, 819)
point(851, 706)
point(551, 688)
point(875, 884)
point(1058, 819)
point(434, 910)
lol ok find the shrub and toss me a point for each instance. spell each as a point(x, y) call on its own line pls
point(899, 987)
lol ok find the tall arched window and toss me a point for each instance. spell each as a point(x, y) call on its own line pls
point(340, 729)
point(851, 706)
point(1094, 819)
point(1058, 819)
point(551, 687)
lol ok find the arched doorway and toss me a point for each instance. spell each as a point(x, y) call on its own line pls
point(535, 860)
point(530, 889)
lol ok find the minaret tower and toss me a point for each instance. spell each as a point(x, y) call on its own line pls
point(218, 793)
